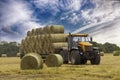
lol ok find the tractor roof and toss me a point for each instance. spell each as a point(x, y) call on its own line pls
point(79, 35)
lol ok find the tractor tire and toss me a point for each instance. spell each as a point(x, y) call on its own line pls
point(83, 61)
point(96, 59)
point(64, 54)
point(75, 57)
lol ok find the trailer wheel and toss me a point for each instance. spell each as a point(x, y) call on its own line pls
point(64, 54)
point(75, 57)
point(96, 59)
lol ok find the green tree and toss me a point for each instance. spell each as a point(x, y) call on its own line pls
point(107, 47)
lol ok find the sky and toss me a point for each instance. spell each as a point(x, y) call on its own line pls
point(99, 18)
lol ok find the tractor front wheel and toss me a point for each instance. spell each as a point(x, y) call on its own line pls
point(75, 57)
point(96, 59)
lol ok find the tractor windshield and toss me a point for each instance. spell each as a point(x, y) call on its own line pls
point(81, 39)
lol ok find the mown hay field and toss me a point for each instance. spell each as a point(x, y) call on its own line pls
point(109, 69)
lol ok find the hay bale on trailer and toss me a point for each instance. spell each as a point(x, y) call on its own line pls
point(55, 37)
point(22, 48)
point(59, 45)
point(46, 43)
point(46, 30)
point(31, 61)
point(58, 37)
point(33, 32)
point(29, 33)
point(54, 60)
point(57, 29)
point(40, 31)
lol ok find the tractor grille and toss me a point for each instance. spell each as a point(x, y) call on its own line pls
point(88, 48)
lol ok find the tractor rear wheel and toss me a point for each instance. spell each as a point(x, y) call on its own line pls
point(75, 57)
point(64, 54)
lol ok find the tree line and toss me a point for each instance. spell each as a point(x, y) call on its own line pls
point(106, 47)
point(12, 48)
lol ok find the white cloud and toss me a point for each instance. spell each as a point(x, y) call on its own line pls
point(74, 18)
point(47, 4)
point(57, 5)
point(16, 12)
point(104, 10)
point(76, 5)
point(104, 21)
point(109, 35)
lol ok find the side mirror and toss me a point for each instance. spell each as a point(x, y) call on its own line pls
point(91, 39)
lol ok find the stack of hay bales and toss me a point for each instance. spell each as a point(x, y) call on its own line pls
point(44, 40)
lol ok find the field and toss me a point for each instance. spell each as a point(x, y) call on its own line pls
point(109, 69)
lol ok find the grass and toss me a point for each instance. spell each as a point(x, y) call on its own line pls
point(109, 69)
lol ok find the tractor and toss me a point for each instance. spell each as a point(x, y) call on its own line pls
point(80, 49)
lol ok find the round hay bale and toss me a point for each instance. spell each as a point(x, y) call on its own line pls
point(57, 29)
point(31, 61)
point(29, 33)
point(55, 37)
point(22, 42)
point(37, 31)
point(58, 37)
point(40, 31)
point(59, 45)
point(39, 44)
point(46, 30)
point(3, 55)
point(54, 60)
point(116, 53)
point(101, 53)
point(33, 32)
point(45, 43)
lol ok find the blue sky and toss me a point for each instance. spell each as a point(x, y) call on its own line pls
point(99, 18)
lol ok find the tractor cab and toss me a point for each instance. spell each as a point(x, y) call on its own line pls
point(80, 41)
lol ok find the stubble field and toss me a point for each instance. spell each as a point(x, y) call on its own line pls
point(109, 69)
